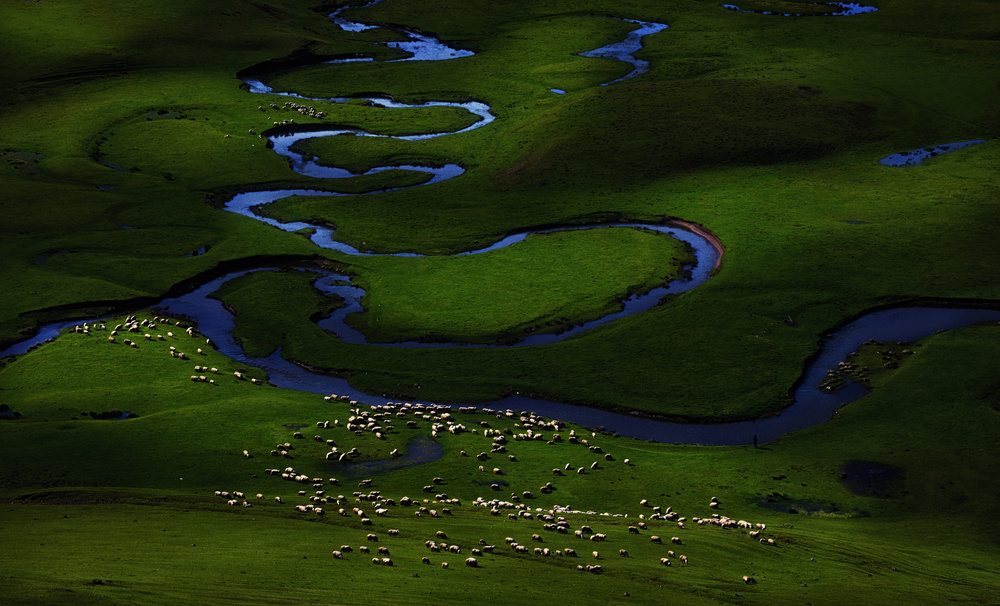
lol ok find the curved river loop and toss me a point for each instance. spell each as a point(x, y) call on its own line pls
point(811, 405)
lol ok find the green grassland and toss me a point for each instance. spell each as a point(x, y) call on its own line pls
point(126, 128)
point(146, 527)
point(764, 130)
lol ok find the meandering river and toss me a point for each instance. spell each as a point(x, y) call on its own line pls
point(811, 406)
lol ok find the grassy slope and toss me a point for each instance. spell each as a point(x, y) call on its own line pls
point(139, 523)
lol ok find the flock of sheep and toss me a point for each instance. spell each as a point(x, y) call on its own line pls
point(380, 421)
point(152, 330)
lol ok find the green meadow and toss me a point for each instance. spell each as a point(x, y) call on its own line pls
point(126, 128)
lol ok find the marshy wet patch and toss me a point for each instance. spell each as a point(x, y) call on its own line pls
point(110, 415)
point(419, 450)
point(917, 156)
point(7, 413)
point(872, 479)
point(24, 162)
point(783, 503)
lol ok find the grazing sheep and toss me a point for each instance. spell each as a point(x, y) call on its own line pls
point(676, 540)
point(623, 553)
point(338, 555)
point(749, 580)
point(444, 564)
point(655, 539)
point(665, 561)
point(372, 537)
point(633, 530)
point(596, 555)
point(683, 558)
point(364, 549)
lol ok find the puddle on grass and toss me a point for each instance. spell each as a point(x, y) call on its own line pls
point(419, 450)
point(872, 479)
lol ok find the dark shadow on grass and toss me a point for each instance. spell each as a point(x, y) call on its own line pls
point(872, 479)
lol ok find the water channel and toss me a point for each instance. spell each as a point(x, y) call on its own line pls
point(811, 406)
